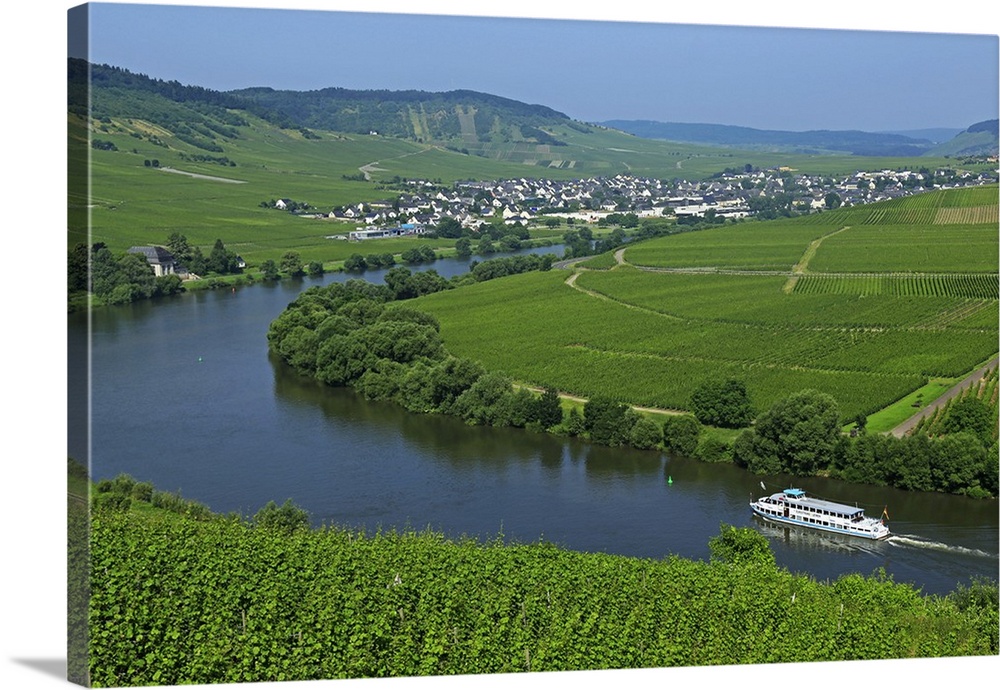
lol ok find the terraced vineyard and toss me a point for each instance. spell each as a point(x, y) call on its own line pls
point(872, 313)
point(774, 245)
point(982, 286)
point(912, 248)
point(182, 600)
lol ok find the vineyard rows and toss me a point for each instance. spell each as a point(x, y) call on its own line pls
point(877, 309)
point(900, 216)
point(537, 329)
point(917, 248)
point(962, 206)
point(967, 216)
point(759, 300)
point(970, 197)
point(757, 246)
point(182, 601)
point(979, 286)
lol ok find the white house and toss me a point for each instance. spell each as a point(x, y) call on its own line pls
point(160, 259)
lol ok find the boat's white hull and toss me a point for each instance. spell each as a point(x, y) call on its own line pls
point(876, 530)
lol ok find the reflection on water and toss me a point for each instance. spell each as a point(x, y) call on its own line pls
point(902, 556)
point(451, 441)
point(807, 540)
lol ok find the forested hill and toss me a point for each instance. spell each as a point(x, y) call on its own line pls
point(115, 82)
point(411, 114)
point(819, 141)
point(979, 139)
point(454, 116)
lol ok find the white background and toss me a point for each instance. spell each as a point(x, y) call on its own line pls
point(32, 284)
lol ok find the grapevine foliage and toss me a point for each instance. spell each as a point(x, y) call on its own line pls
point(175, 599)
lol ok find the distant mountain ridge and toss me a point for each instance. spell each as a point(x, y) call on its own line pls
point(411, 114)
point(462, 120)
point(978, 140)
point(453, 116)
point(855, 142)
point(936, 134)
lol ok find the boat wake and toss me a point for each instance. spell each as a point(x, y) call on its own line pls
point(909, 540)
point(825, 541)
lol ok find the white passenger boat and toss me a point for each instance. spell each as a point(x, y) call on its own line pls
point(794, 507)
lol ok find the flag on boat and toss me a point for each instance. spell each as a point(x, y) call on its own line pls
point(762, 486)
point(885, 513)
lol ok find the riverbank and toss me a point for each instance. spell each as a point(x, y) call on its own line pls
point(370, 338)
point(81, 300)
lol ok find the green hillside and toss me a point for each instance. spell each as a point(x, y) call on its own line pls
point(819, 141)
point(978, 140)
point(419, 115)
point(132, 202)
point(864, 312)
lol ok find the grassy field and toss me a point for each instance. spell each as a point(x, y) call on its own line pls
point(130, 203)
point(650, 337)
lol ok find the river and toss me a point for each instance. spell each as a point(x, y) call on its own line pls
point(185, 395)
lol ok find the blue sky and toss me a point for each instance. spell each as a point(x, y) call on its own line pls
point(590, 68)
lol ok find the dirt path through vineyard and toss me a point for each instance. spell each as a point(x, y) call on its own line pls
point(954, 391)
point(800, 268)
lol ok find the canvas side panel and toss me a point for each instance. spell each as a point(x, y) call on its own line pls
point(78, 353)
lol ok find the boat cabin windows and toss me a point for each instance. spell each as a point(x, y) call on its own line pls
point(793, 506)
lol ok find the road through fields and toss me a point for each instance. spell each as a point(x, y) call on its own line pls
point(955, 390)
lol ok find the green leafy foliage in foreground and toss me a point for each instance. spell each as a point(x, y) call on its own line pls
point(176, 599)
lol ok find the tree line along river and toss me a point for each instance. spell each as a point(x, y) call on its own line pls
point(184, 394)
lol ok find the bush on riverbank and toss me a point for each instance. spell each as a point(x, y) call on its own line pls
point(175, 599)
point(800, 435)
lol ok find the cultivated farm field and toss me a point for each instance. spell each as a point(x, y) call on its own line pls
point(917, 248)
point(764, 246)
point(865, 312)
